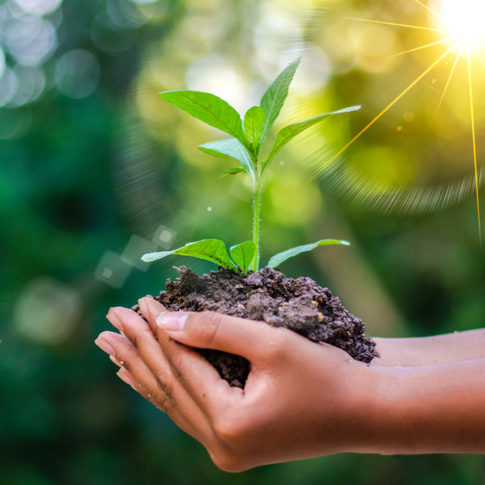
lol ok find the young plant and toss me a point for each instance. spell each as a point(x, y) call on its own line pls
point(247, 138)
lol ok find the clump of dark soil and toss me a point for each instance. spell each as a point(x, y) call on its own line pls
point(298, 304)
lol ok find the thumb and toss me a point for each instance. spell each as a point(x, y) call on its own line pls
point(211, 330)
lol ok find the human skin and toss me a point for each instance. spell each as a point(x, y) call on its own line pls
point(435, 350)
point(301, 399)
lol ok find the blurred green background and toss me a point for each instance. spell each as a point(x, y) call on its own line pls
point(95, 170)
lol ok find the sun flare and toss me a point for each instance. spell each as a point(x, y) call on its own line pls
point(458, 26)
point(464, 19)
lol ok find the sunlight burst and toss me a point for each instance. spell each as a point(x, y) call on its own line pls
point(464, 20)
point(459, 26)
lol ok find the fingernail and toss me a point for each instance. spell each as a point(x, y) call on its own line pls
point(152, 308)
point(124, 375)
point(171, 321)
point(103, 344)
point(114, 319)
point(143, 306)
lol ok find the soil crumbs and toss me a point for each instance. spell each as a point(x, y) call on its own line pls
point(298, 304)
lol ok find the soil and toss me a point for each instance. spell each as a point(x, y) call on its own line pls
point(298, 304)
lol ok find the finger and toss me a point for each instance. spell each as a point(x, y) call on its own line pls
point(126, 355)
point(135, 329)
point(210, 330)
point(114, 360)
point(144, 382)
point(198, 376)
point(142, 338)
point(151, 307)
point(126, 377)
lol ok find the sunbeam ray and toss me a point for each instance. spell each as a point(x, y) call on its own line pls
point(459, 23)
point(474, 141)
point(425, 46)
point(386, 109)
point(479, 55)
point(396, 24)
point(450, 77)
point(429, 9)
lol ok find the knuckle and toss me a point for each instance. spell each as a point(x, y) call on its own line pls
point(164, 404)
point(165, 388)
point(139, 336)
point(177, 362)
point(134, 340)
point(160, 398)
point(124, 361)
point(127, 357)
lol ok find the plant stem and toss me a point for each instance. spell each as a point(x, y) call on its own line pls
point(257, 192)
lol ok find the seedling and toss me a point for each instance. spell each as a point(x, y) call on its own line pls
point(245, 146)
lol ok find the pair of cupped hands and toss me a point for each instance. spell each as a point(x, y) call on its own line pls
point(300, 400)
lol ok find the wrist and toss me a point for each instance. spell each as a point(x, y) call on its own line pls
point(428, 409)
point(374, 413)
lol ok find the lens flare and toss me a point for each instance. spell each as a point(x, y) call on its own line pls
point(458, 27)
point(464, 19)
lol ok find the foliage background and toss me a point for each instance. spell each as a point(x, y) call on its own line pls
point(94, 170)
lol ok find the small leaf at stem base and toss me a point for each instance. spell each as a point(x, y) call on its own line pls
point(213, 250)
point(243, 254)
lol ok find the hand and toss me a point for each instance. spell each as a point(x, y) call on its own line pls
point(301, 399)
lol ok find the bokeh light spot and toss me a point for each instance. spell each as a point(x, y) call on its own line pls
point(48, 311)
point(77, 73)
point(294, 201)
point(8, 86)
point(30, 40)
point(143, 2)
point(373, 47)
point(39, 7)
point(163, 237)
point(30, 84)
point(408, 117)
point(135, 249)
point(313, 72)
point(2, 62)
point(214, 74)
point(112, 270)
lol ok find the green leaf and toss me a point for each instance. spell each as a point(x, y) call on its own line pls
point(230, 148)
point(290, 131)
point(210, 109)
point(279, 258)
point(209, 249)
point(232, 171)
point(253, 125)
point(243, 254)
point(275, 96)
